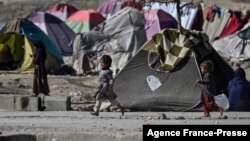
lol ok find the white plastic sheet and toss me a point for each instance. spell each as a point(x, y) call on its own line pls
point(222, 101)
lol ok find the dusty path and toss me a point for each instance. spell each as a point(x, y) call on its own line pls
point(76, 126)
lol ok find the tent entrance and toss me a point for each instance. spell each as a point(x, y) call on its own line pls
point(11, 51)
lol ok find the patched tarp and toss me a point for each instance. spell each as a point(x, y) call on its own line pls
point(120, 37)
point(234, 47)
point(214, 26)
point(146, 84)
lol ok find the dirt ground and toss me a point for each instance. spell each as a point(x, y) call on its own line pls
point(79, 126)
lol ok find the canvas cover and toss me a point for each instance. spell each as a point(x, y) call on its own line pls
point(62, 10)
point(33, 33)
point(237, 22)
point(156, 20)
point(84, 20)
point(214, 26)
point(110, 7)
point(188, 11)
point(57, 30)
point(22, 52)
point(162, 75)
point(120, 37)
point(235, 46)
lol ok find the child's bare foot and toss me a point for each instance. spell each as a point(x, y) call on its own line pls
point(94, 113)
point(221, 112)
point(206, 115)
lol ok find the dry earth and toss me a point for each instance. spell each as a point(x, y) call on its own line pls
point(81, 126)
point(75, 125)
point(11, 9)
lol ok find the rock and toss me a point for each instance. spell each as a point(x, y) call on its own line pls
point(224, 117)
point(162, 116)
point(180, 118)
point(149, 118)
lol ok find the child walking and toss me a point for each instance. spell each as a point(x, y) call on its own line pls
point(208, 88)
point(105, 88)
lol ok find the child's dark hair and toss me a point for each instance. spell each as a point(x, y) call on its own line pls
point(106, 59)
point(208, 64)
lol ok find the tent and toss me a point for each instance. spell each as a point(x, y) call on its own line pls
point(33, 33)
point(156, 20)
point(132, 3)
point(121, 36)
point(235, 46)
point(245, 33)
point(110, 7)
point(84, 20)
point(57, 30)
point(21, 53)
point(189, 12)
point(162, 75)
point(62, 10)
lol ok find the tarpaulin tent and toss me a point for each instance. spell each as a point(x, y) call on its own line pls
point(84, 20)
point(156, 20)
point(62, 10)
point(21, 52)
point(162, 75)
point(57, 30)
point(189, 12)
point(120, 36)
point(33, 33)
point(110, 7)
point(236, 46)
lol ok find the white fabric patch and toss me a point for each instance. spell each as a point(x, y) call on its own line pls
point(105, 105)
point(153, 82)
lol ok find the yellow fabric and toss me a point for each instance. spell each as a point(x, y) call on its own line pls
point(1, 47)
point(5, 54)
point(28, 57)
point(23, 50)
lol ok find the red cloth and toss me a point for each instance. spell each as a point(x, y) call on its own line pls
point(199, 20)
point(209, 105)
point(211, 12)
point(132, 3)
point(234, 25)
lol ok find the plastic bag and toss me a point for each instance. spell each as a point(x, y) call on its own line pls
point(222, 101)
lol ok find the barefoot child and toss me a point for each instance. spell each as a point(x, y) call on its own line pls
point(105, 88)
point(208, 88)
